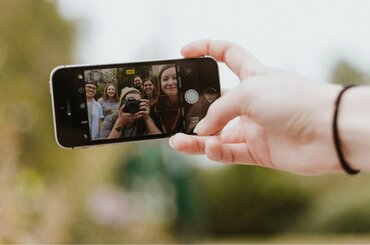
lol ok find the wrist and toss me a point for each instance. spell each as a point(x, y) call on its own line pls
point(145, 115)
point(119, 123)
point(322, 111)
point(354, 127)
point(148, 121)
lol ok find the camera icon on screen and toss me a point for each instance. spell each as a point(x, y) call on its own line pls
point(188, 71)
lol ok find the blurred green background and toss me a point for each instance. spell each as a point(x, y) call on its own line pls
point(142, 193)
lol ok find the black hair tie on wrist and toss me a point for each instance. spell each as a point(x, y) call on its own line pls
point(345, 165)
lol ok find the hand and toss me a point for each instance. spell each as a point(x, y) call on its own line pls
point(144, 109)
point(282, 120)
point(126, 119)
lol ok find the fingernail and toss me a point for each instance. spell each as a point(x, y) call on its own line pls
point(170, 142)
point(196, 129)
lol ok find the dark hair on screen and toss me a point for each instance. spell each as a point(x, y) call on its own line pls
point(91, 82)
point(135, 76)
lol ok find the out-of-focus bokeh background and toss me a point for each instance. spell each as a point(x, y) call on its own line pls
point(146, 192)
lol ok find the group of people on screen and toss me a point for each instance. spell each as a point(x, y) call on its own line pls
point(137, 110)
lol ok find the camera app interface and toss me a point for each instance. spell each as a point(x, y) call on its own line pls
point(135, 102)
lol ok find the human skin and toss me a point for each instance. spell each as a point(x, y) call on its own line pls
point(90, 91)
point(138, 83)
point(127, 119)
point(148, 87)
point(282, 120)
point(169, 83)
point(111, 91)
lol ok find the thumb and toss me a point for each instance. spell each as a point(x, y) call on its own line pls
point(220, 113)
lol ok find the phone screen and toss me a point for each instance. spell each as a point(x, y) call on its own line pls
point(130, 102)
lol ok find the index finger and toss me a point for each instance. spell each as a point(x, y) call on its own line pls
point(242, 63)
point(144, 103)
point(220, 113)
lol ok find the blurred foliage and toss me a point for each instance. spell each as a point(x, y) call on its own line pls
point(42, 186)
point(345, 74)
point(35, 39)
point(175, 183)
point(340, 204)
point(252, 201)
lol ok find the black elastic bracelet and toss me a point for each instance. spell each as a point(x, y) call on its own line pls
point(345, 165)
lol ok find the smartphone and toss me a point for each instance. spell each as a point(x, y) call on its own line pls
point(116, 103)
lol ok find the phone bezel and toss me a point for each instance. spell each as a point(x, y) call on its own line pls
point(83, 67)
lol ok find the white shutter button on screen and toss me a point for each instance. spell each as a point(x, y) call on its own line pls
point(191, 96)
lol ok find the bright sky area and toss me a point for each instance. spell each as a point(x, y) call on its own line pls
point(306, 36)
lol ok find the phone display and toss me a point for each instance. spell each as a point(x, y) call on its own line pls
point(115, 103)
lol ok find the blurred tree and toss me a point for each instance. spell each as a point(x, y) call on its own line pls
point(178, 186)
point(34, 39)
point(252, 201)
point(41, 186)
point(234, 200)
point(344, 73)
